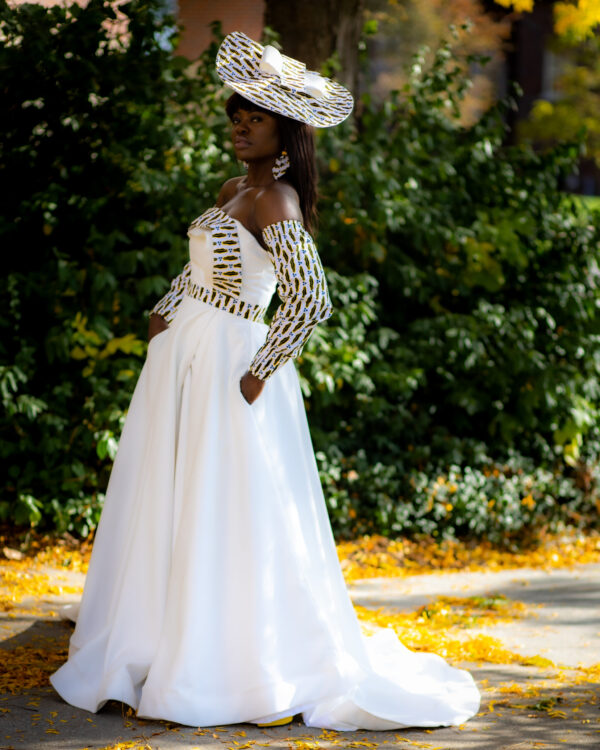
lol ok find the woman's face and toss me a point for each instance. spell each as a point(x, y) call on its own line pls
point(255, 135)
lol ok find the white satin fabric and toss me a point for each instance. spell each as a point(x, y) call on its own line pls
point(214, 594)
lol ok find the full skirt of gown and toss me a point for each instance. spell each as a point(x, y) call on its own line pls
point(214, 593)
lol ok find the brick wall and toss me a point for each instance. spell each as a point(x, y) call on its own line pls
point(235, 15)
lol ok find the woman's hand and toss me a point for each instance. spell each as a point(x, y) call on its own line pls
point(251, 387)
point(156, 324)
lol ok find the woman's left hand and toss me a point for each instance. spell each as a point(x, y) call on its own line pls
point(251, 387)
point(157, 324)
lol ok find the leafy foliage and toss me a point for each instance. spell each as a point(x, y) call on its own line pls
point(110, 145)
point(455, 389)
point(574, 19)
point(481, 373)
point(573, 113)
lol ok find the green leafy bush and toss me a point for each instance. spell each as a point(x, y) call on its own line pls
point(110, 145)
point(485, 350)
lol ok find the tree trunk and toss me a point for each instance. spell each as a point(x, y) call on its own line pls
point(313, 30)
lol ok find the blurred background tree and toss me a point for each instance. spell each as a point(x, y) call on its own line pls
point(317, 31)
point(577, 19)
point(405, 26)
point(574, 107)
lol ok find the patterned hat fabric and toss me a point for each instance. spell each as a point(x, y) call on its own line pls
point(281, 84)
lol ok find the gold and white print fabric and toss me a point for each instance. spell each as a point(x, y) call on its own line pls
point(167, 306)
point(302, 288)
point(226, 269)
point(287, 92)
point(227, 259)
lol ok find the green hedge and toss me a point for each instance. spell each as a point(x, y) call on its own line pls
point(110, 146)
point(454, 391)
point(481, 368)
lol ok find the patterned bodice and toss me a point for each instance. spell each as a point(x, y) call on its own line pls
point(230, 270)
point(220, 247)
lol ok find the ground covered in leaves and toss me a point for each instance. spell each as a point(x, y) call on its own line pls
point(39, 573)
point(378, 557)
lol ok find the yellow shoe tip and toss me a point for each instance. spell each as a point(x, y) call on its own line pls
point(278, 722)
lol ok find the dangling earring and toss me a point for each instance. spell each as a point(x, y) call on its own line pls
point(245, 165)
point(281, 166)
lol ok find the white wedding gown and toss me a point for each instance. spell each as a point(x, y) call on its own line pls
point(214, 594)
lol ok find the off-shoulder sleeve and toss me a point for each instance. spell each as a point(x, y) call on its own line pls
point(167, 305)
point(302, 289)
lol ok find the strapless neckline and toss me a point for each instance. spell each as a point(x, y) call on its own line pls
point(239, 224)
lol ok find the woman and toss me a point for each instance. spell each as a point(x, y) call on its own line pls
point(214, 594)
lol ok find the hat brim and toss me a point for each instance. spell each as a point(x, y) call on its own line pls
point(237, 66)
point(296, 105)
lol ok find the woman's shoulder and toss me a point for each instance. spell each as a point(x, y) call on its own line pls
point(228, 190)
point(275, 203)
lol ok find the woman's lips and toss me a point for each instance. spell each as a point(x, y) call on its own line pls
point(241, 143)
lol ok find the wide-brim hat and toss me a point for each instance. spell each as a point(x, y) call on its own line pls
point(281, 84)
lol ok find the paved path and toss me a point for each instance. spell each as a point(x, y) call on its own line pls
point(563, 624)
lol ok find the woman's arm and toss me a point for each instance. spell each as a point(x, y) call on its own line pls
point(166, 307)
point(301, 285)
